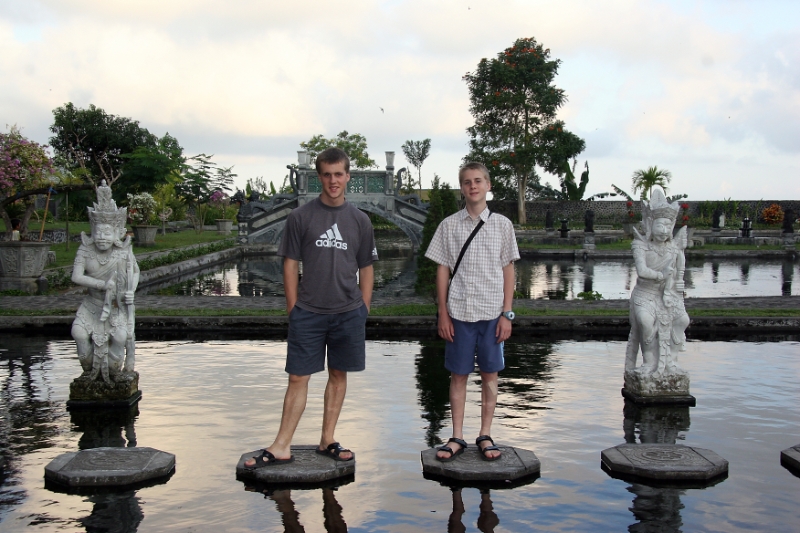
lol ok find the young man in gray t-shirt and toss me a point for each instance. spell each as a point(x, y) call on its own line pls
point(328, 309)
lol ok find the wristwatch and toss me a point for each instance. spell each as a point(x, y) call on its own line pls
point(508, 314)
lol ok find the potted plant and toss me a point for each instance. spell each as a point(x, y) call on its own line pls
point(142, 212)
point(222, 202)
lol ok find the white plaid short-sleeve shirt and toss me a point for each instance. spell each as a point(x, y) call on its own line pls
point(476, 291)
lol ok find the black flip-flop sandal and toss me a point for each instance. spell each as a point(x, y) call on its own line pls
point(267, 459)
point(491, 447)
point(448, 449)
point(334, 450)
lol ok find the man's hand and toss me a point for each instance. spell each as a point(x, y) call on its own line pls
point(128, 297)
point(446, 330)
point(503, 330)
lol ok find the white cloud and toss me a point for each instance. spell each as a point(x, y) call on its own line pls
point(648, 82)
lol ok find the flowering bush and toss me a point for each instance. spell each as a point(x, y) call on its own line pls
point(772, 214)
point(685, 215)
point(24, 166)
point(221, 201)
point(141, 208)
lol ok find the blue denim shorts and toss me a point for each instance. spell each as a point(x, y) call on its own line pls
point(474, 340)
point(310, 334)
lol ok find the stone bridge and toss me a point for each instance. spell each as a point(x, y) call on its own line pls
point(374, 191)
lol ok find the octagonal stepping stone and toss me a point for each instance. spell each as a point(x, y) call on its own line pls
point(790, 459)
point(665, 462)
point(307, 467)
point(514, 463)
point(109, 467)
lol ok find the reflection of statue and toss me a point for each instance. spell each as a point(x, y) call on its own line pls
point(105, 265)
point(657, 315)
point(788, 220)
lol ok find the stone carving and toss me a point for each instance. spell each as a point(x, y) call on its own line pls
point(657, 314)
point(588, 221)
point(788, 220)
point(548, 220)
point(104, 324)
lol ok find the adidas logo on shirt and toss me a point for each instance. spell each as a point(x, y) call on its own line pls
point(332, 239)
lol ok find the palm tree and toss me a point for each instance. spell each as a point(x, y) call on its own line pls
point(646, 179)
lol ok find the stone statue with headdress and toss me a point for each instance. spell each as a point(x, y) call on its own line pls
point(657, 314)
point(104, 324)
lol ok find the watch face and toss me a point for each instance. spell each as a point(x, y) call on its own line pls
point(509, 315)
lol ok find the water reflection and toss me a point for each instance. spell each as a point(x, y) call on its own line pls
point(487, 519)
point(113, 513)
point(655, 508)
point(28, 418)
point(787, 270)
point(113, 428)
point(433, 386)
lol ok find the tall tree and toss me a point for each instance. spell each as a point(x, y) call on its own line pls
point(354, 145)
point(416, 153)
point(149, 167)
point(110, 147)
point(514, 103)
point(644, 180)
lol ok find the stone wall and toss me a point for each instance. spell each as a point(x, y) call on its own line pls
point(611, 211)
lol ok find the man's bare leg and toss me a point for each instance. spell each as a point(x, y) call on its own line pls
point(335, 392)
point(294, 403)
point(458, 400)
point(488, 404)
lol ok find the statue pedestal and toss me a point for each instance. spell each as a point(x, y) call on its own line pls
point(85, 392)
point(666, 388)
point(588, 240)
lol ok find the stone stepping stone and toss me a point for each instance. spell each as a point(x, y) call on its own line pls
point(514, 464)
point(109, 467)
point(308, 467)
point(790, 459)
point(664, 462)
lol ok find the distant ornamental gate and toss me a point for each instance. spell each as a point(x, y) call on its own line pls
point(374, 191)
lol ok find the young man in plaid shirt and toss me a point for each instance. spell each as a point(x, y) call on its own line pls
point(475, 307)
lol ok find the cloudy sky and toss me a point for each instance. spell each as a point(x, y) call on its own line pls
point(709, 90)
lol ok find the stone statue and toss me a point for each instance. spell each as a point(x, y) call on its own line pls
point(788, 220)
point(657, 314)
point(104, 324)
point(548, 219)
point(588, 221)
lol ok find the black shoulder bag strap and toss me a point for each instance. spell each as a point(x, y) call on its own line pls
point(466, 245)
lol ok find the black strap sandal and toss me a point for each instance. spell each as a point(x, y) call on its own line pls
point(491, 447)
point(448, 449)
point(267, 459)
point(334, 450)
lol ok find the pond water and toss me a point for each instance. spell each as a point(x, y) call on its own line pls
point(209, 402)
point(536, 279)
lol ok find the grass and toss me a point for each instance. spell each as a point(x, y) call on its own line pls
point(419, 310)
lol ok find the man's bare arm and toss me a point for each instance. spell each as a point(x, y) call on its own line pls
point(503, 330)
point(291, 280)
point(366, 279)
point(446, 330)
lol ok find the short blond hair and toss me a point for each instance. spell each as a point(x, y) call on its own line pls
point(474, 166)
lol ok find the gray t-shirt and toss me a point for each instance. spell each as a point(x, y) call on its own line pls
point(333, 243)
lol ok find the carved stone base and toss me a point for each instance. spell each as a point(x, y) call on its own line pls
point(87, 392)
point(663, 388)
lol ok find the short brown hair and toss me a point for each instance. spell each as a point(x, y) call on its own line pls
point(331, 156)
point(474, 166)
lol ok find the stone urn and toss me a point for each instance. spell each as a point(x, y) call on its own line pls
point(145, 235)
point(224, 226)
point(21, 263)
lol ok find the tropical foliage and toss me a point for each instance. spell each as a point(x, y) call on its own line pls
point(514, 103)
point(442, 204)
point(416, 153)
point(645, 180)
point(354, 145)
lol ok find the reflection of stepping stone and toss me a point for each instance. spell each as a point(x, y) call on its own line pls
point(109, 467)
point(790, 458)
point(514, 463)
point(666, 462)
point(308, 467)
